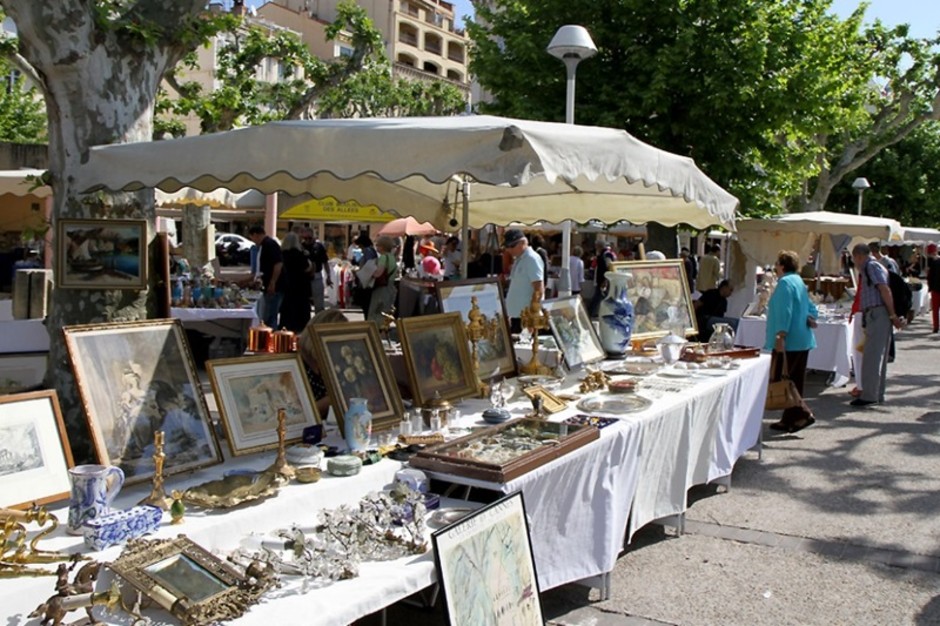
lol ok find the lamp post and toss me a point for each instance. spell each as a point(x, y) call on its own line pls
point(571, 44)
point(860, 185)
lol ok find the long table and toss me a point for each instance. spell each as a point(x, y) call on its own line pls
point(833, 351)
point(579, 505)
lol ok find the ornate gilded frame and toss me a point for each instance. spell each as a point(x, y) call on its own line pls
point(146, 565)
point(445, 330)
point(672, 279)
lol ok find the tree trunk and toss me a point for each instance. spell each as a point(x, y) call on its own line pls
point(100, 86)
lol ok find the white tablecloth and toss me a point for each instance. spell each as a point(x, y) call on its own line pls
point(23, 336)
point(833, 351)
point(579, 504)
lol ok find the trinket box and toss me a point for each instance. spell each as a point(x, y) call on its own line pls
point(304, 454)
point(121, 526)
point(344, 465)
point(415, 479)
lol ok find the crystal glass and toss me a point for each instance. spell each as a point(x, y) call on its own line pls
point(436, 421)
point(496, 396)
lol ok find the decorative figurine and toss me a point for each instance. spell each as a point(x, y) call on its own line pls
point(534, 318)
point(594, 381)
point(157, 495)
point(79, 594)
point(281, 466)
point(177, 508)
point(385, 326)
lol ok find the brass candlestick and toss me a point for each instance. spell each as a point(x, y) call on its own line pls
point(478, 329)
point(281, 466)
point(157, 495)
point(385, 326)
point(534, 318)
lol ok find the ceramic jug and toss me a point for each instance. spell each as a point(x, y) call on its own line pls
point(616, 316)
point(722, 339)
point(357, 424)
point(93, 489)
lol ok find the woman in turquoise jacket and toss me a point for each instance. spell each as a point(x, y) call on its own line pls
point(791, 318)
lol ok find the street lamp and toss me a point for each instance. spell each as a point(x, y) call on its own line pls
point(860, 185)
point(571, 44)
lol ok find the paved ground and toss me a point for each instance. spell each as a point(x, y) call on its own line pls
point(837, 524)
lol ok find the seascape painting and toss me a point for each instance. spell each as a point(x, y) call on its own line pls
point(135, 379)
point(101, 254)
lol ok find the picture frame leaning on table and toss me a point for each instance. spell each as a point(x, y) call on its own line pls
point(437, 356)
point(659, 292)
point(135, 378)
point(574, 334)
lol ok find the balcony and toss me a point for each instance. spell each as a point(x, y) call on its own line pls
point(455, 52)
point(407, 71)
point(408, 34)
point(409, 9)
point(433, 44)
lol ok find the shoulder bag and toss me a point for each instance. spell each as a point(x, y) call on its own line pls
point(782, 394)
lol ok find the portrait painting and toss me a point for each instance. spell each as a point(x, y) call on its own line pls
point(353, 364)
point(250, 390)
point(437, 357)
point(35, 454)
point(494, 350)
point(101, 254)
point(134, 379)
point(486, 569)
point(573, 331)
point(659, 292)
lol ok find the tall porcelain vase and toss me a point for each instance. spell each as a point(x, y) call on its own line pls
point(357, 424)
point(616, 316)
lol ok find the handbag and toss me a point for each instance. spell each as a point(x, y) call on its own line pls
point(782, 394)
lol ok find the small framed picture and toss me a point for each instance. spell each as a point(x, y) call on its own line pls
point(101, 254)
point(550, 402)
point(485, 566)
point(35, 456)
point(250, 390)
point(437, 355)
point(573, 331)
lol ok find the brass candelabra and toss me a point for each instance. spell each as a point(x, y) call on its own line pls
point(16, 553)
point(157, 495)
point(478, 329)
point(534, 318)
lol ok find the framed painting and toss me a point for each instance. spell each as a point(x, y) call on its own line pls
point(35, 457)
point(101, 254)
point(495, 350)
point(573, 331)
point(134, 379)
point(23, 371)
point(250, 390)
point(661, 298)
point(437, 356)
point(486, 569)
point(354, 365)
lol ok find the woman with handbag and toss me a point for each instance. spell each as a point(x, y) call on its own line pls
point(791, 318)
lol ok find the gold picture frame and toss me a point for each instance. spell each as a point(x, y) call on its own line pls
point(659, 292)
point(250, 390)
point(135, 378)
point(101, 254)
point(437, 356)
point(353, 364)
point(187, 580)
point(551, 403)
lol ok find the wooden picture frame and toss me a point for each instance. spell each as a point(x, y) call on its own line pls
point(250, 390)
point(136, 378)
point(185, 579)
point(551, 403)
point(486, 567)
point(36, 456)
point(659, 292)
point(353, 364)
point(101, 254)
point(497, 356)
point(437, 357)
point(573, 331)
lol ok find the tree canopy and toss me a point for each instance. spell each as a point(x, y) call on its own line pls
point(765, 95)
point(22, 112)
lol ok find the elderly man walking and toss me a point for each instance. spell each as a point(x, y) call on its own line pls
point(878, 316)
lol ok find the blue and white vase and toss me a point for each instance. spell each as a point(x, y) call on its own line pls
point(616, 316)
point(357, 424)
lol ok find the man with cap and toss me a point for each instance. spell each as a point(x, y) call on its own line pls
point(879, 316)
point(526, 276)
point(933, 284)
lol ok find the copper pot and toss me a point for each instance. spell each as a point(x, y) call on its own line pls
point(284, 341)
point(259, 338)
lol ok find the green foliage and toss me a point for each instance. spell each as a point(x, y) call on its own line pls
point(761, 93)
point(22, 112)
point(358, 85)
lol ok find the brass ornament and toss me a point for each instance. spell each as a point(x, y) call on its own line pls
point(534, 318)
point(157, 495)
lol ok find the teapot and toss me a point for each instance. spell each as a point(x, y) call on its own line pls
point(670, 347)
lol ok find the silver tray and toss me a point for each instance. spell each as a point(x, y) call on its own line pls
point(614, 405)
point(549, 382)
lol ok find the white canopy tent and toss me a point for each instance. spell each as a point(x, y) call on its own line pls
point(920, 236)
point(498, 169)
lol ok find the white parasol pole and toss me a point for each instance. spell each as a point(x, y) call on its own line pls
point(465, 230)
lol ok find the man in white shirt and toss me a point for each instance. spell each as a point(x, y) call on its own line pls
point(526, 276)
point(452, 257)
point(576, 269)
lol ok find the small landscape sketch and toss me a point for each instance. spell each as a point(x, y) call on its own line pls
point(21, 451)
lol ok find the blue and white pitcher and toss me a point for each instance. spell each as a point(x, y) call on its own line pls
point(616, 316)
point(93, 489)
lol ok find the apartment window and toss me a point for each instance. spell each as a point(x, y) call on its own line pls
point(455, 51)
point(408, 34)
point(407, 59)
point(455, 75)
point(345, 51)
point(431, 68)
point(433, 43)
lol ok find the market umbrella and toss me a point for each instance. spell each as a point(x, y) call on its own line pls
point(405, 226)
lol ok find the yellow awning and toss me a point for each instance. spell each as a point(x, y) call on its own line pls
point(329, 210)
